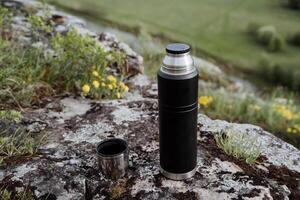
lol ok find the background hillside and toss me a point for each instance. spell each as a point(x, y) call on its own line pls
point(215, 28)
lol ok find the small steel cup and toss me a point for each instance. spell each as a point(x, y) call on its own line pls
point(113, 157)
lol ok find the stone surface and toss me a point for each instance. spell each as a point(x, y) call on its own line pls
point(67, 164)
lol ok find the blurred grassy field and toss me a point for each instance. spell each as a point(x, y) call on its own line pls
point(216, 27)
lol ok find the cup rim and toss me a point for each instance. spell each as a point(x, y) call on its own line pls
point(118, 140)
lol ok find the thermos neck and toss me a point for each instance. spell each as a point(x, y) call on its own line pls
point(178, 60)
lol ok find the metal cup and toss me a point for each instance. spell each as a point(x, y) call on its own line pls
point(113, 157)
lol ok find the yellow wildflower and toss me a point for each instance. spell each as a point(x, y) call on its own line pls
point(114, 85)
point(118, 94)
point(294, 131)
point(96, 84)
point(287, 114)
point(111, 78)
point(126, 88)
point(284, 111)
point(86, 88)
point(297, 127)
point(110, 86)
point(103, 84)
point(95, 73)
point(205, 100)
point(122, 84)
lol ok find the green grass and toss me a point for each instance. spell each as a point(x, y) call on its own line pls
point(10, 115)
point(214, 27)
point(239, 144)
point(24, 194)
point(278, 113)
point(30, 74)
point(15, 144)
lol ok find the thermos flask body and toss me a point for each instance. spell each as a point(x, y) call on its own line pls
point(178, 109)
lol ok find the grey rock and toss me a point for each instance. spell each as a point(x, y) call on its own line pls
point(70, 158)
point(287, 155)
point(82, 30)
point(39, 45)
point(9, 4)
point(36, 127)
point(61, 29)
point(140, 80)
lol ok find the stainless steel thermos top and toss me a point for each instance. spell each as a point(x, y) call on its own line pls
point(178, 109)
point(178, 61)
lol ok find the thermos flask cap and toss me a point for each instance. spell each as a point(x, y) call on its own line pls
point(177, 48)
point(178, 61)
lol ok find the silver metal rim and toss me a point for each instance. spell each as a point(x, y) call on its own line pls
point(118, 155)
point(178, 177)
point(177, 72)
point(178, 55)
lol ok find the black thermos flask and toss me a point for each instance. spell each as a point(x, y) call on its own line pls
point(178, 109)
